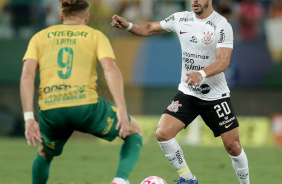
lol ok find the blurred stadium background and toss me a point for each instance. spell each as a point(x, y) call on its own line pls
point(151, 66)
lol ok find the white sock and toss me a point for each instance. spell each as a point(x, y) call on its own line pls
point(120, 181)
point(174, 154)
point(240, 165)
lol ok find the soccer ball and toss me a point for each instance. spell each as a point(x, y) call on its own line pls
point(153, 180)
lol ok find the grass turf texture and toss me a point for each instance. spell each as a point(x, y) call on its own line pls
point(88, 161)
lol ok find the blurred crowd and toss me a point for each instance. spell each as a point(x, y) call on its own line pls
point(22, 18)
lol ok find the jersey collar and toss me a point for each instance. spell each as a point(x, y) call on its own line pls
point(204, 20)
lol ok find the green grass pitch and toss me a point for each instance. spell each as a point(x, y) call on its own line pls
point(89, 161)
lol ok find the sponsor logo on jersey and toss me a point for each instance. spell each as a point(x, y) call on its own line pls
point(192, 55)
point(62, 87)
point(211, 24)
point(184, 19)
point(222, 36)
point(67, 33)
point(194, 39)
point(62, 97)
point(170, 18)
point(174, 106)
point(182, 32)
point(81, 89)
point(49, 89)
point(189, 62)
point(63, 93)
point(227, 121)
point(203, 89)
point(193, 67)
point(207, 39)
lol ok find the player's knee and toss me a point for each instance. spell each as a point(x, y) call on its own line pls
point(161, 135)
point(233, 148)
point(42, 152)
point(134, 127)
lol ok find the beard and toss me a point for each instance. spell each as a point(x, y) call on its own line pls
point(201, 8)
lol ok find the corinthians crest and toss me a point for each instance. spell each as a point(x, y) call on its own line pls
point(207, 39)
point(173, 107)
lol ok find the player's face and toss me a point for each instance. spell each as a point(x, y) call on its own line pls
point(200, 6)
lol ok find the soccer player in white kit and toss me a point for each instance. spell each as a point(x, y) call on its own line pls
point(206, 40)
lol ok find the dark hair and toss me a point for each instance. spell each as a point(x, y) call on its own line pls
point(71, 7)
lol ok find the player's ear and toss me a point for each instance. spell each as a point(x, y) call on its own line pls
point(87, 18)
point(62, 18)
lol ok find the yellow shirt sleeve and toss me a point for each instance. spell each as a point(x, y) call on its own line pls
point(32, 49)
point(104, 48)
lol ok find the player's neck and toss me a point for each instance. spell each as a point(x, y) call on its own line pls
point(74, 22)
point(205, 14)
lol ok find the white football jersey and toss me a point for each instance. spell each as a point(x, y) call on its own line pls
point(199, 39)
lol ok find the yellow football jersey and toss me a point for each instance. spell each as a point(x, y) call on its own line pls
point(67, 56)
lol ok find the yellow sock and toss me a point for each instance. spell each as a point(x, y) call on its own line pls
point(183, 170)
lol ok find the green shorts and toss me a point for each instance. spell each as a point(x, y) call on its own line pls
point(57, 125)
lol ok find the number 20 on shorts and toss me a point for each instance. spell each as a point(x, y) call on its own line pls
point(223, 106)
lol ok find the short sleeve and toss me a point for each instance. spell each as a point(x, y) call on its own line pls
point(169, 23)
point(104, 48)
point(32, 51)
point(224, 35)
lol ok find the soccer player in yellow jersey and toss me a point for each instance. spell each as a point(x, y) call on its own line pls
point(66, 56)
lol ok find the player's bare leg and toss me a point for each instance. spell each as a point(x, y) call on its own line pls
point(168, 128)
point(236, 152)
point(41, 166)
point(42, 152)
point(134, 128)
point(129, 153)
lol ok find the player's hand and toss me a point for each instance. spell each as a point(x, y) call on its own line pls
point(32, 132)
point(119, 22)
point(194, 79)
point(123, 123)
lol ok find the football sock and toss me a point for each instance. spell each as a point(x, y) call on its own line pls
point(119, 181)
point(40, 169)
point(129, 155)
point(240, 165)
point(174, 154)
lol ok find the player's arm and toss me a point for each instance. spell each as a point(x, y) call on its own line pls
point(141, 29)
point(115, 83)
point(220, 65)
point(29, 70)
point(224, 35)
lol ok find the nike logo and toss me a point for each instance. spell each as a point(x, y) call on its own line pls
point(227, 126)
point(182, 32)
